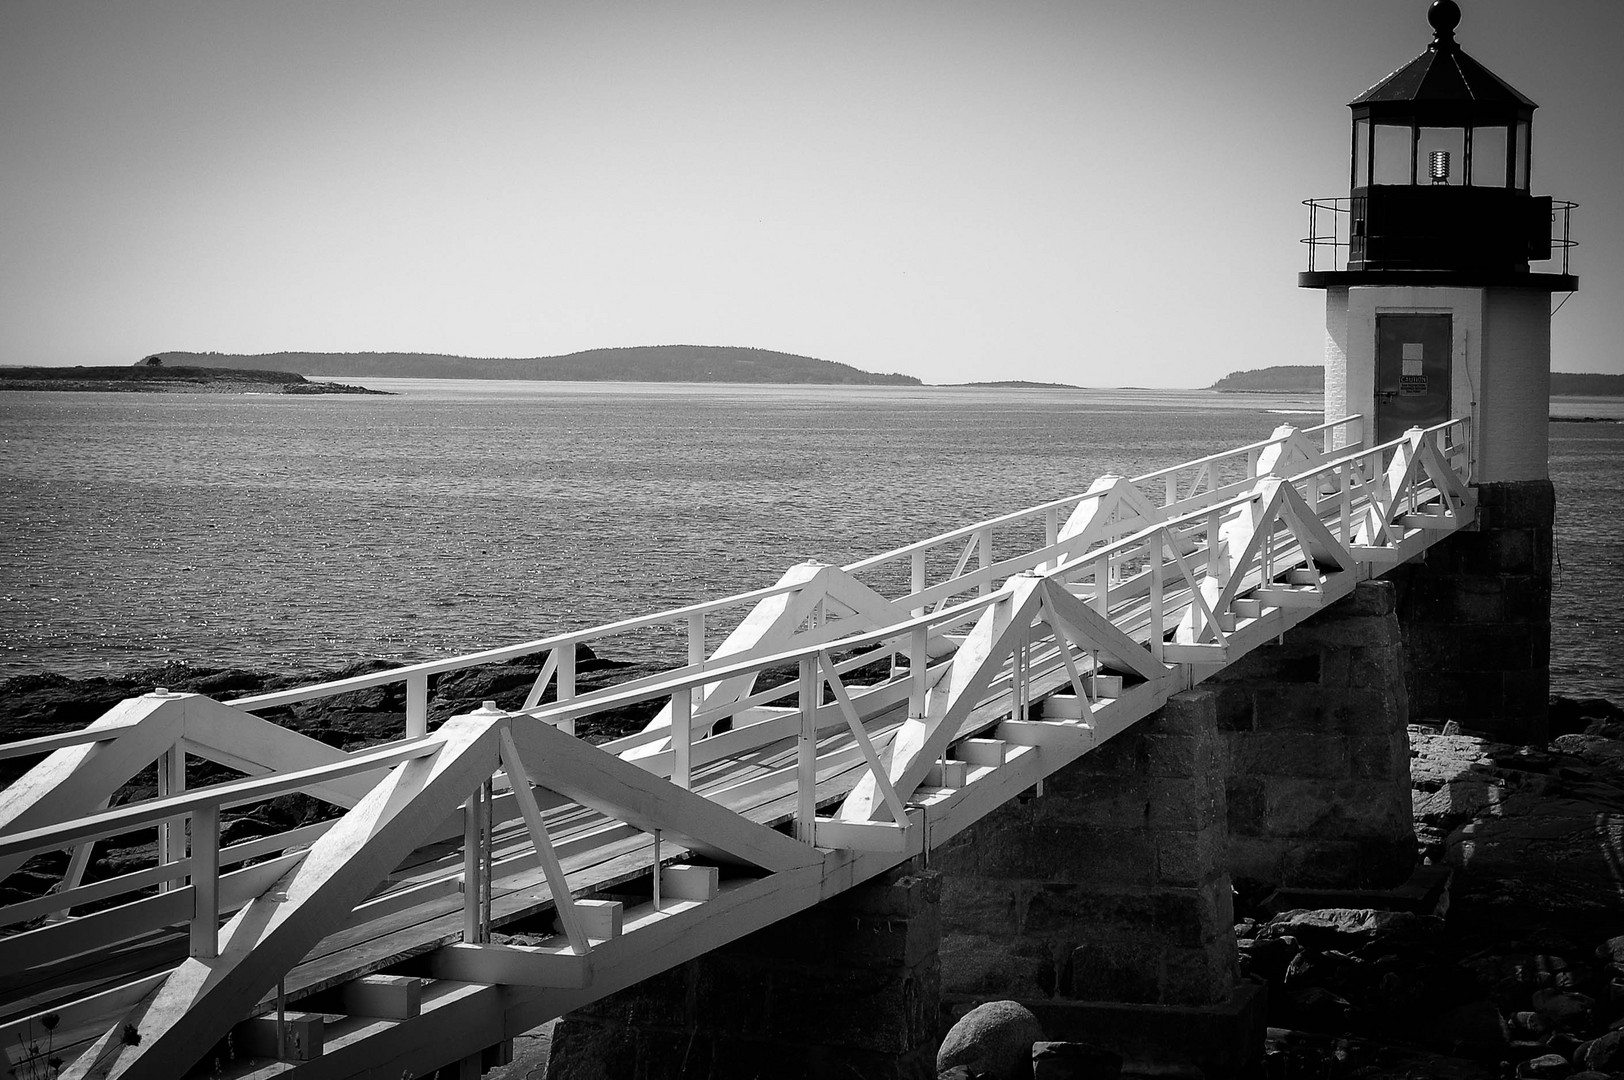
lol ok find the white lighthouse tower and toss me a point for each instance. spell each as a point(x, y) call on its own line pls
point(1436, 312)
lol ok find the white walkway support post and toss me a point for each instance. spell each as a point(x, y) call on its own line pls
point(417, 705)
point(206, 881)
point(171, 781)
point(806, 754)
point(566, 682)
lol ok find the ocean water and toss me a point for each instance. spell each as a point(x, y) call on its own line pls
point(302, 533)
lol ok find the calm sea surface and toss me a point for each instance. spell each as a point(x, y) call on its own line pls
point(301, 533)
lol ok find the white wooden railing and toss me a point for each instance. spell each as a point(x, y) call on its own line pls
point(1121, 579)
point(1170, 491)
point(1137, 588)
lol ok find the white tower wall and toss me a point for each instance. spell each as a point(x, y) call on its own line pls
point(1500, 366)
point(1516, 397)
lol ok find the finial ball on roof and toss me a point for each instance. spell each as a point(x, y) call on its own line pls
point(1444, 15)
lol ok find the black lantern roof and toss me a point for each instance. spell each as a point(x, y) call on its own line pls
point(1443, 78)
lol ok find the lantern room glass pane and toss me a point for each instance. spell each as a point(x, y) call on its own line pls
point(1449, 169)
point(1390, 154)
point(1521, 176)
point(1361, 153)
point(1489, 149)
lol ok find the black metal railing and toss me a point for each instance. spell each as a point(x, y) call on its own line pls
point(1337, 215)
point(1331, 223)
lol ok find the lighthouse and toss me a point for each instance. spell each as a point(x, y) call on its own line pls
point(1443, 263)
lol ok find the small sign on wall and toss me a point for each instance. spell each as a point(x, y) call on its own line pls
point(1412, 381)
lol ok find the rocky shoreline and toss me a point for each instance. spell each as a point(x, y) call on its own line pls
point(43, 704)
point(158, 379)
point(1522, 975)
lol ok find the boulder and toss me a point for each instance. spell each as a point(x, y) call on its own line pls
point(1546, 1067)
point(1604, 1054)
point(1528, 1024)
point(1566, 1010)
point(1267, 958)
point(994, 1038)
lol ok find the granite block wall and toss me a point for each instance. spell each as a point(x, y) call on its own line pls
point(1111, 886)
point(847, 988)
point(1476, 617)
point(1315, 724)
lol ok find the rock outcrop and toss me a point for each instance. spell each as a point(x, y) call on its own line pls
point(1524, 977)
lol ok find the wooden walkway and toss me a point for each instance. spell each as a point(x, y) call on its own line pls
point(497, 872)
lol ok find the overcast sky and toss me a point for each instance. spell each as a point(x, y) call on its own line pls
point(1103, 192)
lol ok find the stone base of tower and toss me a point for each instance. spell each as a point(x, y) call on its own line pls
point(846, 988)
point(1318, 788)
point(1476, 615)
point(1104, 906)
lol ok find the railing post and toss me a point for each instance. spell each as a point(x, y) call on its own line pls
point(566, 682)
point(1157, 600)
point(984, 555)
point(1102, 585)
point(659, 858)
point(806, 755)
point(1022, 673)
point(918, 663)
point(487, 858)
point(1266, 561)
point(206, 882)
point(1344, 507)
point(172, 832)
point(696, 639)
point(916, 581)
point(1313, 233)
point(472, 863)
point(1217, 557)
point(417, 705)
point(1051, 537)
point(682, 737)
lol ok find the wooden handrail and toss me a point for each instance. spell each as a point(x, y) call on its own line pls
point(509, 652)
point(44, 744)
point(233, 793)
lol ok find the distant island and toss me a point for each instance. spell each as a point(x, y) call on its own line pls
point(150, 376)
point(1286, 379)
point(1018, 384)
point(645, 363)
point(1310, 378)
point(1573, 384)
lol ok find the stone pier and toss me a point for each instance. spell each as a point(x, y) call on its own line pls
point(847, 988)
point(1104, 904)
point(1315, 725)
point(1476, 611)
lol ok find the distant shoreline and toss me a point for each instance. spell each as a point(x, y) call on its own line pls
point(1310, 379)
point(179, 379)
point(1015, 384)
point(641, 363)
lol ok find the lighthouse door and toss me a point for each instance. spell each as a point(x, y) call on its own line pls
point(1412, 372)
